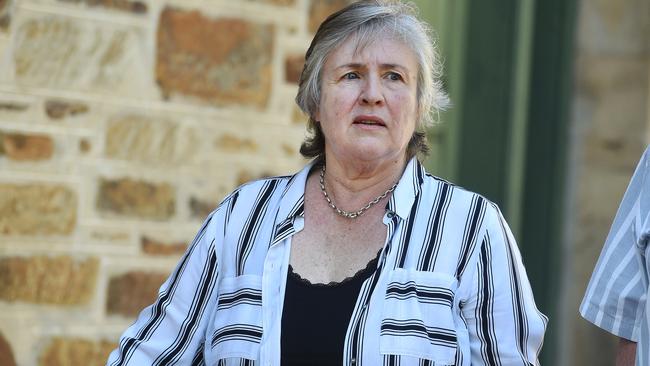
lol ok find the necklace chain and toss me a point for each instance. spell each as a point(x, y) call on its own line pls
point(350, 214)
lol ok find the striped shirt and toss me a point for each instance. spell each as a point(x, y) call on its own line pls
point(616, 296)
point(449, 287)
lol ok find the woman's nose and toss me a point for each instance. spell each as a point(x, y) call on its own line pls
point(372, 93)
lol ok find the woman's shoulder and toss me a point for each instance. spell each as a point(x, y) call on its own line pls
point(434, 184)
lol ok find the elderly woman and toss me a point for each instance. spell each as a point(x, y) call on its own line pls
point(361, 257)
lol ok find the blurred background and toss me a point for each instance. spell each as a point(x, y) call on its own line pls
point(124, 122)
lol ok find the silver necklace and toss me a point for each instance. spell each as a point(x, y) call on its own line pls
point(350, 214)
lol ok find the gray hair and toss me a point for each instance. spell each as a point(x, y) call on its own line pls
point(365, 22)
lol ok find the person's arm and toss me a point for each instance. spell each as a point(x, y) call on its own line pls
point(505, 327)
point(625, 353)
point(615, 298)
point(171, 330)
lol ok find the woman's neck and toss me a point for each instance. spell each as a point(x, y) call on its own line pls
point(353, 185)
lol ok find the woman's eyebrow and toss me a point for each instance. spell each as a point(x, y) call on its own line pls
point(356, 65)
point(353, 65)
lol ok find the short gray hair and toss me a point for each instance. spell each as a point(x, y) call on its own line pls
point(367, 21)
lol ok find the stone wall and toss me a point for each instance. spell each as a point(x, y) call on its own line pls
point(610, 130)
point(122, 124)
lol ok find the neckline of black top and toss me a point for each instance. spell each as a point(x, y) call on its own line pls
point(315, 318)
point(364, 273)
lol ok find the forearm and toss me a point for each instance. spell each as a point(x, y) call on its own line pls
point(625, 352)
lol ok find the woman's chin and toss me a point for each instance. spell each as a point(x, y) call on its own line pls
point(369, 154)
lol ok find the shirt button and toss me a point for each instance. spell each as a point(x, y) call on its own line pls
point(353, 361)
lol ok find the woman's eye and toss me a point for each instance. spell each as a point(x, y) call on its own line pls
point(395, 76)
point(351, 76)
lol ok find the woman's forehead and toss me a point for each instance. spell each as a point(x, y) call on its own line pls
point(386, 49)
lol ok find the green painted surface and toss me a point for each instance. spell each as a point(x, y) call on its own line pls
point(508, 70)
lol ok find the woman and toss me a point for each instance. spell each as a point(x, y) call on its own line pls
point(361, 257)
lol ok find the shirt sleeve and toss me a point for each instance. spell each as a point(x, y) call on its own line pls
point(616, 294)
point(172, 330)
point(505, 327)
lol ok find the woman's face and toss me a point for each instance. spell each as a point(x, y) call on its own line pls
point(368, 105)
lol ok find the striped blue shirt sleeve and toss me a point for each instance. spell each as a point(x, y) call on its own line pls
point(504, 324)
point(615, 296)
point(172, 330)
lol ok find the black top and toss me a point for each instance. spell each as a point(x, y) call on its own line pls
point(315, 318)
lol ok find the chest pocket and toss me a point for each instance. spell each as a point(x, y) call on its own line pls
point(236, 330)
point(417, 321)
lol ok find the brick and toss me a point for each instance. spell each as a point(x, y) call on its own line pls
point(59, 109)
point(129, 293)
point(297, 116)
point(246, 176)
point(276, 2)
point(614, 27)
point(135, 198)
point(157, 247)
point(289, 150)
point(23, 147)
point(293, 65)
point(137, 7)
point(58, 280)
point(321, 9)
point(612, 95)
point(84, 146)
point(5, 15)
point(73, 54)
point(199, 209)
point(219, 61)
point(6, 354)
point(151, 140)
point(37, 209)
point(13, 106)
point(62, 351)
point(233, 143)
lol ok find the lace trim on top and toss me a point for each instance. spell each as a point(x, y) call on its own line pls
point(362, 273)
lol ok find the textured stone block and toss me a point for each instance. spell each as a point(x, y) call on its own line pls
point(293, 67)
point(614, 27)
point(58, 109)
point(137, 7)
point(157, 247)
point(136, 198)
point(219, 61)
point(6, 354)
point(22, 147)
point(246, 176)
point(37, 209)
point(613, 92)
point(58, 280)
point(73, 54)
point(13, 107)
point(151, 140)
point(199, 209)
point(5, 16)
point(321, 9)
point(233, 143)
point(62, 351)
point(297, 116)
point(129, 293)
point(276, 2)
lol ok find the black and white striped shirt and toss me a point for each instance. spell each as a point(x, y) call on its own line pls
point(449, 287)
point(616, 298)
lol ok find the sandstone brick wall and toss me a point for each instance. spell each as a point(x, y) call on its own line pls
point(610, 130)
point(122, 124)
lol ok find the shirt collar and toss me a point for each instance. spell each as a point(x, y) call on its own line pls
point(408, 187)
point(292, 202)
